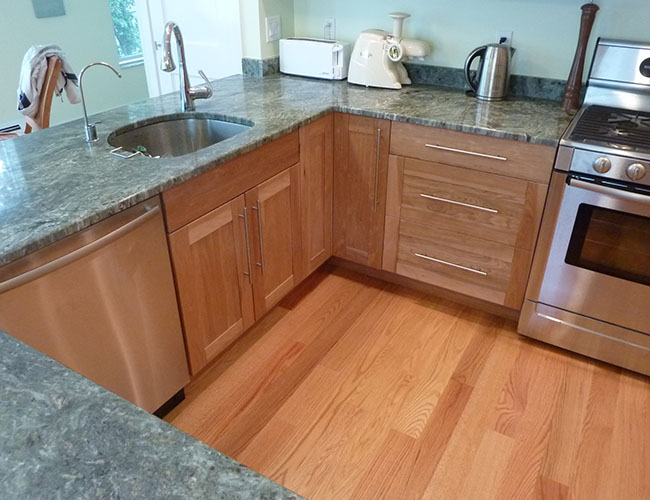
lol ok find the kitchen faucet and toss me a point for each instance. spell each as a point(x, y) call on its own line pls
point(188, 93)
point(90, 128)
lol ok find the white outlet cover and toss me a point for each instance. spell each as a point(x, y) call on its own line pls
point(329, 29)
point(273, 28)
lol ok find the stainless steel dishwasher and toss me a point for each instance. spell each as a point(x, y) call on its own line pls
point(102, 302)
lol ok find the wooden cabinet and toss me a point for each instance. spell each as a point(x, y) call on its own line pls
point(360, 167)
point(235, 263)
point(467, 219)
point(273, 212)
point(316, 177)
point(531, 162)
point(213, 281)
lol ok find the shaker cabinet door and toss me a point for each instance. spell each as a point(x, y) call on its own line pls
point(213, 278)
point(275, 238)
point(360, 170)
point(316, 165)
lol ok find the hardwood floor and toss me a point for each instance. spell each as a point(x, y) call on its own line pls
point(356, 388)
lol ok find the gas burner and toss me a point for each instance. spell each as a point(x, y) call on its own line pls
point(612, 127)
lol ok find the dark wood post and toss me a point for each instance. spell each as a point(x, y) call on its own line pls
point(571, 98)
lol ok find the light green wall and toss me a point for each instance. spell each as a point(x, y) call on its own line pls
point(253, 20)
point(85, 33)
point(545, 31)
point(249, 12)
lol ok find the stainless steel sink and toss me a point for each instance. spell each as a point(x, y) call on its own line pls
point(175, 135)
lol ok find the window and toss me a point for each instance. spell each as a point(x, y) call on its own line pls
point(127, 33)
point(611, 242)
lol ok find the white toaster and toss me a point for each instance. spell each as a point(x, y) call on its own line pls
point(315, 58)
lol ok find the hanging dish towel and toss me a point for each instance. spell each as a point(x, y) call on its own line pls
point(32, 76)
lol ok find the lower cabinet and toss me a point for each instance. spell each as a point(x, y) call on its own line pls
point(213, 281)
point(465, 230)
point(235, 263)
point(273, 212)
point(360, 169)
point(316, 176)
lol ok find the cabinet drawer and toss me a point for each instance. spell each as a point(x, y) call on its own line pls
point(488, 206)
point(487, 270)
point(517, 159)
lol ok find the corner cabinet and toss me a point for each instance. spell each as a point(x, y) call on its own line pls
point(316, 177)
point(360, 173)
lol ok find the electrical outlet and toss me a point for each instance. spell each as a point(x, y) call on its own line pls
point(505, 34)
point(329, 29)
point(273, 28)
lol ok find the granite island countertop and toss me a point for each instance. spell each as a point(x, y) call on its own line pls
point(62, 436)
point(53, 184)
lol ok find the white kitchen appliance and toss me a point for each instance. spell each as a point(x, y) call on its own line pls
point(312, 57)
point(377, 56)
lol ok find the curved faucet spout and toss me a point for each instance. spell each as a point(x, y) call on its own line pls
point(91, 130)
point(188, 93)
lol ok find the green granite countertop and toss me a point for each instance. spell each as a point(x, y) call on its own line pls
point(53, 184)
point(64, 437)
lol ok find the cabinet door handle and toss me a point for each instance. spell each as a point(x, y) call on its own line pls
point(465, 152)
point(248, 245)
point(374, 207)
point(258, 207)
point(469, 205)
point(451, 264)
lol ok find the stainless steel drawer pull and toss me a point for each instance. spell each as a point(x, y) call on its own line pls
point(426, 257)
point(462, 151)
point(374, 207)
point(258, 208)
point(469, 205)
point(248, 245)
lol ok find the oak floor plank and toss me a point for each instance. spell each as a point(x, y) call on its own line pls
point(547, 372)
point(489, 467)
point(566, 428)
point(592, 466)
point(547, 489)
point(388, 473)
point(630, 444)
point(436, 437)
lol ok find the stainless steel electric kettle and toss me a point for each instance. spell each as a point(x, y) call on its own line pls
point(493, 74)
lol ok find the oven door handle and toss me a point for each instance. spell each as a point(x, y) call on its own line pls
point(610, 191)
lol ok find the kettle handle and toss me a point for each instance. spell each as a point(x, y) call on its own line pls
point(478, 52)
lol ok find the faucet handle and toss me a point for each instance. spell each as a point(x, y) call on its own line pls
point(208, 87)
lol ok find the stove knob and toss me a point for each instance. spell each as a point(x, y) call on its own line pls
point(636, 171)
point(602, 165)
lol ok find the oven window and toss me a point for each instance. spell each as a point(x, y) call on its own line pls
point(611, 242)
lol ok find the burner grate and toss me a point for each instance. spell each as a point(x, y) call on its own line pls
point(618, 128)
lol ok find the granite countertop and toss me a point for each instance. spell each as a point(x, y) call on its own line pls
point(53, 184)
point(62, 436)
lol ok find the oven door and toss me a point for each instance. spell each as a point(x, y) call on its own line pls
point(598, 264)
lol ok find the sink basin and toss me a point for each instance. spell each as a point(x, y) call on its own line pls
point(175, 135)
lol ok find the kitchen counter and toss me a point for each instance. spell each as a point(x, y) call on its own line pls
point(62, 436)
point(53, 184)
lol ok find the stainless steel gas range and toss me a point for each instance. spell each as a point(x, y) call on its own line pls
point(589, 289)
